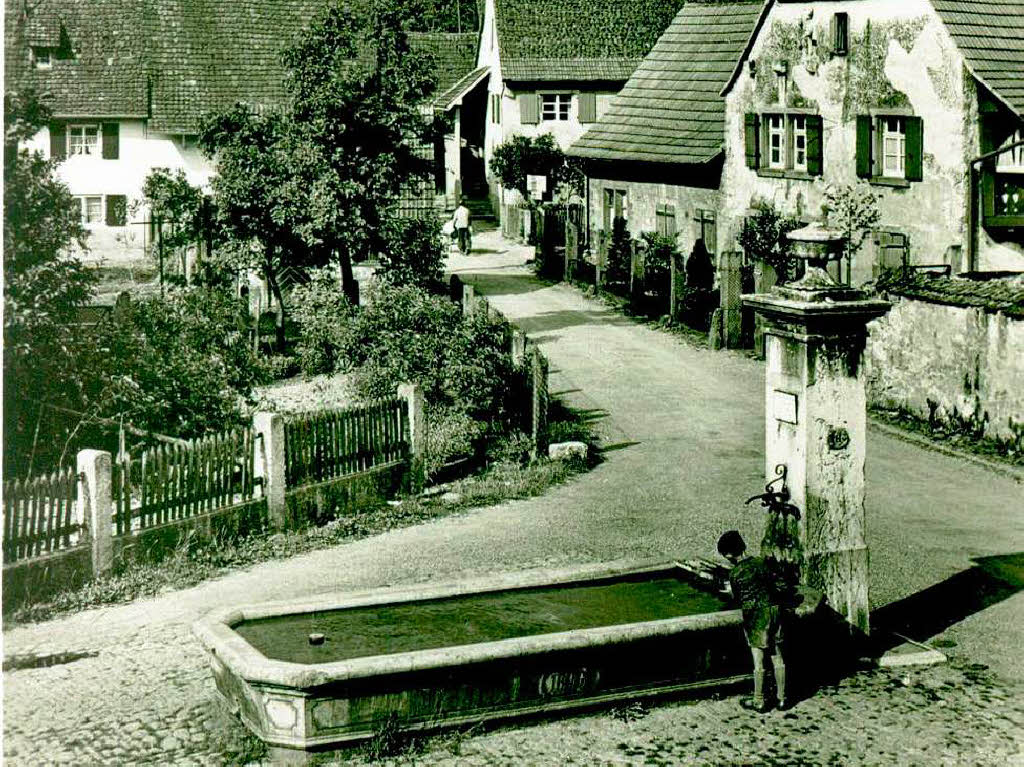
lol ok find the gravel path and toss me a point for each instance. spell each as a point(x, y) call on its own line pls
point(683, 435)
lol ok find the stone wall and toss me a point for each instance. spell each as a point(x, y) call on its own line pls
point(642, 201)
point(961, 364)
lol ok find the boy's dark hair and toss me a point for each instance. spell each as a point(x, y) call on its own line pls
point(731, 544)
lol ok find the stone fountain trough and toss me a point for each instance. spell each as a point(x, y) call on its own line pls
point(335, 669)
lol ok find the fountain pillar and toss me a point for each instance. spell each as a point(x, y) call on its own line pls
point(815, 418)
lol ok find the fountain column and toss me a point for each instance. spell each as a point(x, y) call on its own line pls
point(815, 417)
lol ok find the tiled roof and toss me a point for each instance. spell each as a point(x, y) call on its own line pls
point(607, 37)
point(1004, 295)
point(670, 110)
point(990, 34)
point(446, 99)
point(197, 55)
point(106, 76)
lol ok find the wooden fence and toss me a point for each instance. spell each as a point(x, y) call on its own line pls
point(175, 482)
point(326, 445)
point(40, 516)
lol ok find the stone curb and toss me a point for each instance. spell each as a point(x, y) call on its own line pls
point(915, 439)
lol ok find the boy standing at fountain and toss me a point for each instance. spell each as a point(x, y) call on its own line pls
point(765, 598)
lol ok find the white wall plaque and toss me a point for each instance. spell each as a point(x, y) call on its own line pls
point(784, 406)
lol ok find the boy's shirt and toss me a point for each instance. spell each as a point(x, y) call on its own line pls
point(754, 583)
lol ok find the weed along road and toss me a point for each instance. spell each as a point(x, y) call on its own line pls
point(682, 435)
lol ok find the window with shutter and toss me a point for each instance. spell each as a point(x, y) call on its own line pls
point(117, 210)
point(529, 110)
point(865, 160)
point(111, 141)
point(751, 126)
point(840, 34)
point(665, 220)
point(58, 141)
point(588, 107)
point(705, 228)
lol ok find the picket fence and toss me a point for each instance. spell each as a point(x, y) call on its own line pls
point(40, 516)
point(169, 483)
point(330, 444)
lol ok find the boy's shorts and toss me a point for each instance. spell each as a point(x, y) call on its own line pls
point(763, 627)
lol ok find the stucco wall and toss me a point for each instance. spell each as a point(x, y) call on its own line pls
point(642, 201)
point(967, 361)
point(900, 57)
point(139, 153)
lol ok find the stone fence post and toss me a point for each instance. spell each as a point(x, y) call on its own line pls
point(518, 348)
point(468, 299)
point(539, 411)
point(413, 395)
point(268, 442)
point(95, 507)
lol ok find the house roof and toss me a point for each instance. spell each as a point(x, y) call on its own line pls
point(990, 35)
point(173, 60)
point(670, 110)
point(548, 40)
point(454, 95)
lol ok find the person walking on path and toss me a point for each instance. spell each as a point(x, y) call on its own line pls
point(765, 598)
point(462, 231)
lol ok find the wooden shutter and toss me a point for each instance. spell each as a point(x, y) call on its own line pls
point(915, 149)
point(588, 107)
point(752, 129)
point(840, 34)
point(529, 108)
point(814, 145)
point(988, 189)
point(58, 141)
point(864, 143)
point(117, 210)
point(111, 141)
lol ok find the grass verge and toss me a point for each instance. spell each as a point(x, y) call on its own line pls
point(197, 560)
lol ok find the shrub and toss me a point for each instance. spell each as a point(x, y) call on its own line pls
point(659, 251)
point(413, 254)
point(620, 251)
point(451, 434)
point(322, 314)
point(763, 238)
point(407, 334)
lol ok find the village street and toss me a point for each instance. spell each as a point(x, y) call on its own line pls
point(682, 437)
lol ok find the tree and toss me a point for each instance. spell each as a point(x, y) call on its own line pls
point(176, 206)
point(523, 156)
point(44, 285)
point(853, 210)
point(359, 130)
point(763, 238)
point(258, 205)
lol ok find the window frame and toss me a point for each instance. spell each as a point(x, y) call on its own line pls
point(42, 58)
point(771, 133)
point(801, 133)
point(83, 202)
point(899, 136)
point(561, 102)
point(72, 127)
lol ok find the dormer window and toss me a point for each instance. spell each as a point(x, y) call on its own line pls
point(84, 139)
point(42, 58)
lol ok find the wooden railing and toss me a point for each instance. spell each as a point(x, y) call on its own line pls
point(40, 515)
point(327, 445)
point(174, 482)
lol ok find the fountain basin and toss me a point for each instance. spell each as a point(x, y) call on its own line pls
point(507, 646)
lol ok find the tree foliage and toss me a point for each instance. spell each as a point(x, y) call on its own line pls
point(853, 209)
point(413, 253)
point(523, 156)
point(763, 238)
point(322, 315)
point(180, 365)
point(44, 284)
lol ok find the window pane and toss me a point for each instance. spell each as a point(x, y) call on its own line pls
point(93, 210)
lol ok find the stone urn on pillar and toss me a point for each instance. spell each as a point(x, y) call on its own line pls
point(815, 417)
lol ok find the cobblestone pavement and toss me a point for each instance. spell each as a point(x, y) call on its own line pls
point(690, 444)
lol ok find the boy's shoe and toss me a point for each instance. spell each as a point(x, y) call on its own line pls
point(750, 704)
point(786, 704)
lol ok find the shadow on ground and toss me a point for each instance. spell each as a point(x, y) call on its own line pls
point(936, 608)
